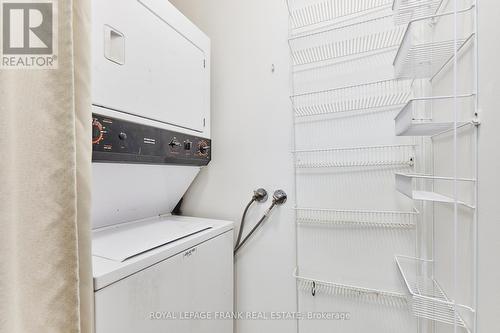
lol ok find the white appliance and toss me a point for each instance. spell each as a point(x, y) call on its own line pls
point(151, 137)
point(183, 286)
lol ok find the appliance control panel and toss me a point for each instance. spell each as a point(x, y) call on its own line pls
point(119, 141)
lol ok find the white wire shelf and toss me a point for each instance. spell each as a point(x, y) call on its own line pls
point(306, 14)
point(320, 77)
point(434, 115)
point(360, 218)
point(426, 50)
point(408, 10)
point(428, 300)
point(367, 96)
point(377, 156)
point(410, 184)
point(317, 287)
point(343, 41)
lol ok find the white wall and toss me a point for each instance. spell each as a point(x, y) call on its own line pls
point(252, 143)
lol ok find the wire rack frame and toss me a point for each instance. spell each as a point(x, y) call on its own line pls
point(367, 96)
point(411, 186)
point(428, 300)
point(417, 58)
point(377, 296)
point(377, 156)
point(361, 218)
point(407, 10)
point(319, 77)
point(342, 41)
point(345, 66)
point(416, 117)
point(309, 14)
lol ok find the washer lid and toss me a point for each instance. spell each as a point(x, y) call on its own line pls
point(126, 241)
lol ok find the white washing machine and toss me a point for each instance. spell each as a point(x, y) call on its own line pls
point(143, 284)
point(153, 272)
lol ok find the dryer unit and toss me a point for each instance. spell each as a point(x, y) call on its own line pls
point(150, 61)
point(151, 137)
point(151, 66)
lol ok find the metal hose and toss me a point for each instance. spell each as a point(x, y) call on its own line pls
point(279, 198)
point(242, 224)
point(266, 215)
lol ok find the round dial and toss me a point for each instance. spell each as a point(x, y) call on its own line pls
point(97, 134)
point(203, 148)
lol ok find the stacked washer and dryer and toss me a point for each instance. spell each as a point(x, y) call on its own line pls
point(153, 272)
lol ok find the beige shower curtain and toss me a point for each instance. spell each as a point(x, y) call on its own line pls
point(45, 164)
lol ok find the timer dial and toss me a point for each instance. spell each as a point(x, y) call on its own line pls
point(97, 134)
point(203, 148)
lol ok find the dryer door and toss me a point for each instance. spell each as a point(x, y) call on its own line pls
point(150, 61)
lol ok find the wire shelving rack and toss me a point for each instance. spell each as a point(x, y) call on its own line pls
point(367, 96)
point(357, 218)
point(427, 298)
point(316, 286)
point(406, 11)
point(366, 156)
point(425, 55)
point(431, 116)
point(413, 186)
point(322, 39)
point(308, 14)
point(339, 42)
point(425, 40)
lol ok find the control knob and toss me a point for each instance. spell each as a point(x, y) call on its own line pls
point(174, 143)
point(97, 134)
point(203, 148)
